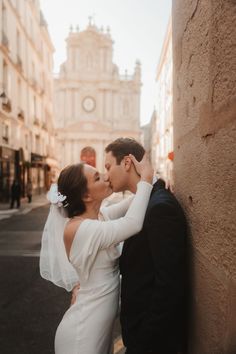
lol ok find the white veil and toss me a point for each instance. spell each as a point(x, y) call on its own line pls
point(54, 264)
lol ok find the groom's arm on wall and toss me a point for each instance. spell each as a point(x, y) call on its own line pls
point(167, 249)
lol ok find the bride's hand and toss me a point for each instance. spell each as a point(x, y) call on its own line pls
point(74, 295)
point(143, 168)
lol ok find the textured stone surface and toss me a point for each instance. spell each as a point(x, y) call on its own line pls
point(204, 48)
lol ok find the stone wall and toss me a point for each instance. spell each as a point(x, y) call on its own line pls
point(204, 51)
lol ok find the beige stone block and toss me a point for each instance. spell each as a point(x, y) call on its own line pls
point(230, 340)
point(213, 309)
point(204, 65)
point(204, 37)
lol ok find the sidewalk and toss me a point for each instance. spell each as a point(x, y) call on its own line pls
point(37, 201)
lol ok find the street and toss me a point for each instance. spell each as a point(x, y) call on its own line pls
point(31, 307)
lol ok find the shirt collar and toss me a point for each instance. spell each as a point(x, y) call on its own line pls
point(154, 179)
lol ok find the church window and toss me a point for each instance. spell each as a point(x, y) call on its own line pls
point(88, 155)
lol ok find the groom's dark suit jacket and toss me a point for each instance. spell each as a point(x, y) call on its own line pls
point(153, 289)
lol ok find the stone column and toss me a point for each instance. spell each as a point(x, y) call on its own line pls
point(204, 52)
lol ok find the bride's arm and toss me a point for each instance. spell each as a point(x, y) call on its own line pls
point(120, 229)
point(97, 234)
point(116, 210)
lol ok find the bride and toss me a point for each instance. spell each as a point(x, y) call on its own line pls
point(79, 244)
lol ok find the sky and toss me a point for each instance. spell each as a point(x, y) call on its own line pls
point(137, 28)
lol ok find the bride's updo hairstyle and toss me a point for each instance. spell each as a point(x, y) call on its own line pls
point(72, 183)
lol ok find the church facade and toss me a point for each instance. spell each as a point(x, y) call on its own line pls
point(94, 104)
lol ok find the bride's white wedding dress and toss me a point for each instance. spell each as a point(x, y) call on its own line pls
point(86, 327)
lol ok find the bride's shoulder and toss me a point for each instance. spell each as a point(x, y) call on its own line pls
point(70, 231)
point(74, 225)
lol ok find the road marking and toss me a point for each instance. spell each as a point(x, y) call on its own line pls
point(9, 211)
point(25, 211)
point(5, 214)
point(118, 345)
point(2, 217)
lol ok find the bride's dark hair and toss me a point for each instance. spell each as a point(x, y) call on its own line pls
point(72, 183)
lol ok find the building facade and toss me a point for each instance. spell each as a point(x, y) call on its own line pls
point(94, 104)
point(163, 131)
point(27, 138)
point(150, 140)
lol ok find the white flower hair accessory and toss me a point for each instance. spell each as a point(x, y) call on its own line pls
point(56, 197)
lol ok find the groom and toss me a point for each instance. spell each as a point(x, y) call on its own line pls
point(153, 262)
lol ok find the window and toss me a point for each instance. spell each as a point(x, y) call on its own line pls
point(5, 133)
point(18, 44)
point(34, 107)
point(31, 29)
point(37, 143)
point(49, 61)
point(33, 71)
point(6, 80)
point(88, 155)
point(19, 93)
point(26, 141)
point(41, 48)
point(4, 20)
point(5, 77)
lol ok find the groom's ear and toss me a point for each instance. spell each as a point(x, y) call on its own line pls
point(127, 163)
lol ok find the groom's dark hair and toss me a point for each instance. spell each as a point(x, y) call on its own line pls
point(122, 147)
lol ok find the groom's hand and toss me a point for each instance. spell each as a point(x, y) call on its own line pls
point(143, 168)
point(75, 291)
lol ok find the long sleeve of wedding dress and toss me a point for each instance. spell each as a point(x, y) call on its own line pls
point(117, 210)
